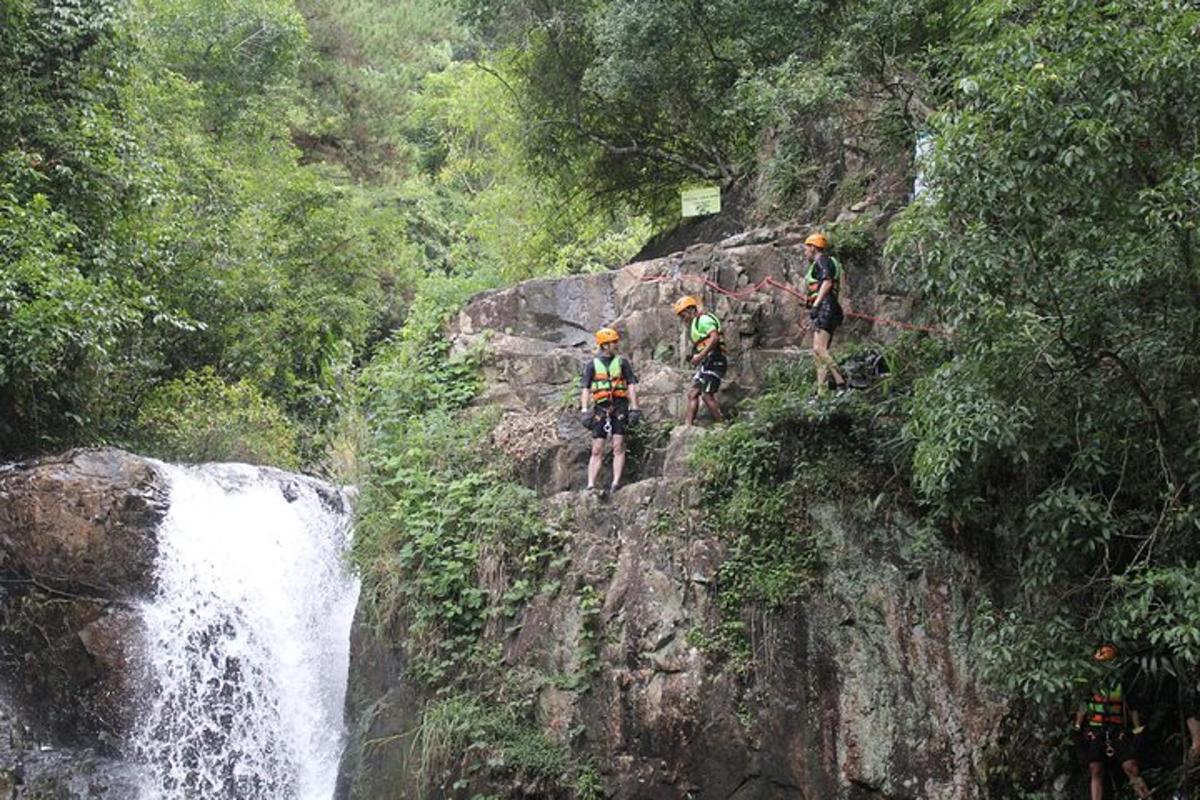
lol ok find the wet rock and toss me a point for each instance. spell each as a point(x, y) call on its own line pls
point(77, 549)
point(31, 769)
point(83, 522)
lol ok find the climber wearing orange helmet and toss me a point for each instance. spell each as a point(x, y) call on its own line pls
point(610, 389)
point(1107, 728)
point(821, 293)
point(708, 357)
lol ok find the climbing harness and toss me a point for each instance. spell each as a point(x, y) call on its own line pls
point(1110, 746)
point(701, 372)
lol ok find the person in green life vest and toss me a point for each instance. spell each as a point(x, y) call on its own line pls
point(821, 296)
point(708, 357)
point(1107, 728)
point(608, 405)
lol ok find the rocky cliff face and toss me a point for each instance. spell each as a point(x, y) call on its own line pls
point(536, 336)
point(77, 548)
point(862, 689)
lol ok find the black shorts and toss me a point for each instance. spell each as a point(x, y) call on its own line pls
point(710, 372)
point(829, 316)
point(1094, 745)
point(609, 420)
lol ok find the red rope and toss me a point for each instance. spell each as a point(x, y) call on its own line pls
point(783, 287)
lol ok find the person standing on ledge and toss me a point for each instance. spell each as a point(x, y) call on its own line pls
point(708, 357)
point(1107, 728)
point(821, 297)
point(610, 388)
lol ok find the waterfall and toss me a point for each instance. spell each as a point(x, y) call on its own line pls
point(248, 639)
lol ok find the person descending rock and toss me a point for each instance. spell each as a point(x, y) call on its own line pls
point(1107, 728)
point(610, 387)
point(708, 357)
point(821, 296)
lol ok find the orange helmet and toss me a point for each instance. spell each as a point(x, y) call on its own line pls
point(817, 240)
point(606, 335)
point(1105, 652)
point(684, 303)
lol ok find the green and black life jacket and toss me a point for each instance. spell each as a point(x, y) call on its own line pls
point(813, 286)
point(1106, 707)
point(607, 381)
point(702, 327)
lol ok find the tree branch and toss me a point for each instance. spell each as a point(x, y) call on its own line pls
point(650, 151)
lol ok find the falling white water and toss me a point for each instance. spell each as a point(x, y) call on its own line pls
point(249, 637)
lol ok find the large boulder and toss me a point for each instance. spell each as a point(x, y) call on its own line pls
point(83, 523)
point(77, 551)
point(537, 335)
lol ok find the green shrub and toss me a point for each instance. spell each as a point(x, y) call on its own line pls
point(448, 541)
point(466, 736)
point(200, 417)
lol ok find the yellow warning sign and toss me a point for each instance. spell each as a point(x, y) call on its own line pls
point(701, 201)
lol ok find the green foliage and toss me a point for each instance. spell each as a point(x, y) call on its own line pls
point(513, 218)
point(1013, 655)
point(200, 417)
point(241, 54)
point(1058, 239)
point(364, 76)
point(1158, 606)
point(58, 329)
point(629, 100)
point(156, 220)
point(440, 510)
point(413, 372)
point(591, 628)
point(761, 474)
point(464, 740)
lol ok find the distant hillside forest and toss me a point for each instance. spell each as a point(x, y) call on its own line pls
point(215, 213)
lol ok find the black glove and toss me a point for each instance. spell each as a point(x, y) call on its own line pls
point(635, 416)
point(812, 313)
point(587, 419)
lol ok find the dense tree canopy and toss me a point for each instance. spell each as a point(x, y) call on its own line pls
point(630, 99)
point(1060, 242)
point(156, 219)
point(233, 186)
